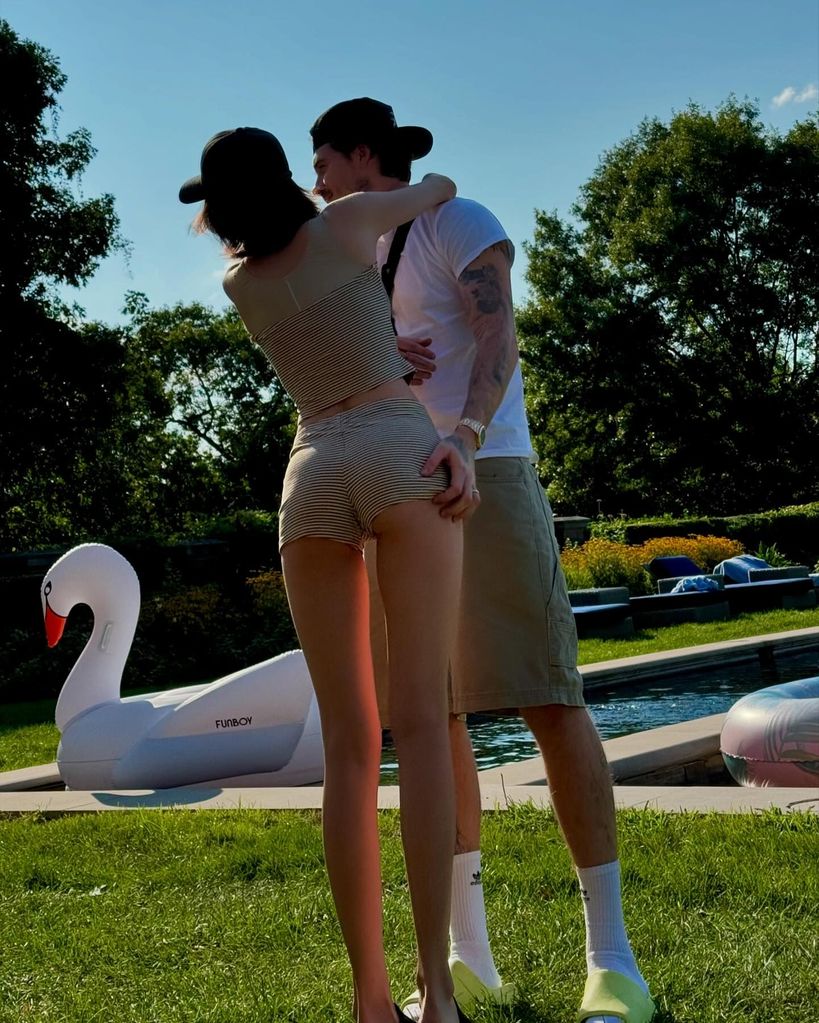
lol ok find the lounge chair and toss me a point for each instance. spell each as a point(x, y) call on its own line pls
point(750, 584)
point(675, 602)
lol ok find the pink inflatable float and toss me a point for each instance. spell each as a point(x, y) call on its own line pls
point(771, 737)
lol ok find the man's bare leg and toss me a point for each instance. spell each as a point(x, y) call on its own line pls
point(579, 780)
point(581, 793)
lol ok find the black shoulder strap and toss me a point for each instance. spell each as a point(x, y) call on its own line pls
point(389, 268)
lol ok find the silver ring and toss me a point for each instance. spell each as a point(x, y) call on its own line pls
point(476, 491)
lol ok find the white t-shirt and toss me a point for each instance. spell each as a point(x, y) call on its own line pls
point(427, 301)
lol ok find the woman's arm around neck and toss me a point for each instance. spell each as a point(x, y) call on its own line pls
point(360, 219)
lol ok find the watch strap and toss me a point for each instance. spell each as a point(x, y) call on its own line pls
point(476, 427)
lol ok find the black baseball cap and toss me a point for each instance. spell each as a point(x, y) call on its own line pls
point(237, 157)
point(366, 120)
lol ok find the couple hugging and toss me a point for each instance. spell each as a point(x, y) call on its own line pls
point(412, 446)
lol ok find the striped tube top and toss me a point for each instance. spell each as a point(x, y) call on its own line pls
point(340, 344)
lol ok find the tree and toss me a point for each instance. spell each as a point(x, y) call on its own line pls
point(221, 393)
point(107, 433)
point(671, 343)
point(50, 236)
point(84, 452)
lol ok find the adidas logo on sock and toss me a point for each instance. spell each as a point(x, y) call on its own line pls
point(476, 878)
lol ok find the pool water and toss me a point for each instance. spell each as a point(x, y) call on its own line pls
point(621, 710)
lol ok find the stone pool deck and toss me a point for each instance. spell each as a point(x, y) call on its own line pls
point(671, 662)
point(674, 768)
point(681, 753)
point(500, 788)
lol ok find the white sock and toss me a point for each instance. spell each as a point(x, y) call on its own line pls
point(469, 939)
point(607, 946)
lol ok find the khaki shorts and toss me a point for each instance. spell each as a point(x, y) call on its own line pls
point(517, 643)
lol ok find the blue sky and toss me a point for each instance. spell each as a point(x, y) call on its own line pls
point(522, 97)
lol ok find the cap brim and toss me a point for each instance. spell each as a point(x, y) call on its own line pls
point(192, 190)
point(416, 141)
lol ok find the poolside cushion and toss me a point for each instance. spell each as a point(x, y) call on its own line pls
point(599, 595)
point(667, 601)
point(601, 612)
point(737, 569)
point(672, 608)
point(603, 619)
point(669, 567)
point(770, 593)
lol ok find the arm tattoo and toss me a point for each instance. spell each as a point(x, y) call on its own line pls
point(484, 286)
point(486, 289)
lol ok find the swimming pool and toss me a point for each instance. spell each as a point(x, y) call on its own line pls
point(623, 709)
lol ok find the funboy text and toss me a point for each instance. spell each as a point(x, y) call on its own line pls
point(233, 722)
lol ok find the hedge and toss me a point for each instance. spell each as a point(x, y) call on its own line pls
point(793, 530)
point(209, 606)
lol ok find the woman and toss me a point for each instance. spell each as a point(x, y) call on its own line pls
point(307, 289)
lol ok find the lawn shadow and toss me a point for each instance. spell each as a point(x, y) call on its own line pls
point(166, 798)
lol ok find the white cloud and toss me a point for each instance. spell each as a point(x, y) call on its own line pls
point(792, 95)
point(784, 97)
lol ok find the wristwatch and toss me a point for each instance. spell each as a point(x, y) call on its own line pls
point(477, 428)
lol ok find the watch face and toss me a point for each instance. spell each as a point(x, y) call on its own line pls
point(481, 436)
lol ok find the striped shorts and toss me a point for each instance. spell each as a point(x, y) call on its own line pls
point(346, 469)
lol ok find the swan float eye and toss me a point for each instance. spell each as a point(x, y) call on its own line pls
point(54, 623)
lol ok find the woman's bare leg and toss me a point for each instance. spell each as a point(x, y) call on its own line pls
point(328, 593)
point(419, 575)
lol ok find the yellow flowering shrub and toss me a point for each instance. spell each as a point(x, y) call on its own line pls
point(601, 562)
point(191, 610)
point(575, 567)
point(268, 593)
point(705, 551)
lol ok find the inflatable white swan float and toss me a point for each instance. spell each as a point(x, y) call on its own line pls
point(258, 726)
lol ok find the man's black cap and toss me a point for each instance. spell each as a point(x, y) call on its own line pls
point(364, 121)
point(234, 158)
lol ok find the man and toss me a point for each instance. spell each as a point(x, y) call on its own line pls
point(517, 644)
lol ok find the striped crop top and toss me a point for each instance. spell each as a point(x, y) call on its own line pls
point(325, 327)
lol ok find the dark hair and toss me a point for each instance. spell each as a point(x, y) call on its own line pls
point(250, 223)
point(395, 161)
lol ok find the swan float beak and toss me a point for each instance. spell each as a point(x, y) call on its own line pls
point(54, 625)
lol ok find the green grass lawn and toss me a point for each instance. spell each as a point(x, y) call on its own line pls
point(28, 735)
point(226, 917)
point(674, 637)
